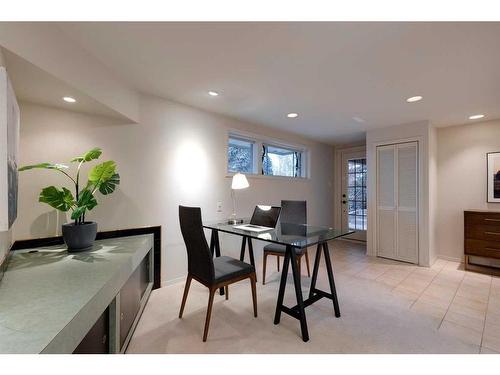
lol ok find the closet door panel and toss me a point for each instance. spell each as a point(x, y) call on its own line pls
point(407, 236)
point(386, 201)
point(407, 219)
point(407, 175)
point(386, 234)
point(385, 179)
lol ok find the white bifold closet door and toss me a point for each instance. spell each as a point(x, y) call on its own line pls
point(397, 201)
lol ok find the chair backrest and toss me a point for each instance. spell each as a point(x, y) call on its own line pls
point(294, 212)
point(200, 262)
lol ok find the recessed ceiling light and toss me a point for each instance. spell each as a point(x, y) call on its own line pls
point(414, 99)
point(69, 99)
point(475, 117)
point(292, 115)
point(358, 119)
point(213, 93)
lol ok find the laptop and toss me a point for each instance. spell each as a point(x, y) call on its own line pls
point(263, 218)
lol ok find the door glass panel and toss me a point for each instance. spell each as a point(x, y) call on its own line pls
point(352, 207)
point(352, 221)
point(356, 193)
point(352, 179)
point(351, 192)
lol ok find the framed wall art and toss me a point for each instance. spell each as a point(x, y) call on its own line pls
point(493, 180)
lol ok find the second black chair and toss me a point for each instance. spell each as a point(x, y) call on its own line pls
point(292, 212)
point(213, 273)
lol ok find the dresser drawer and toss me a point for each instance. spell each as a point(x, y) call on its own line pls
point(482, 248)
point(474, 218)
point(483, 232)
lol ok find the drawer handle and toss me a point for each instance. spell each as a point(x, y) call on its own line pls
point(495, 233)
point(491, 219)
point(492, 248)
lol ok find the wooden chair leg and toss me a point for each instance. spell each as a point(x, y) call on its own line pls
point(264, 269)
point(209, 313)
point(226, 291)
point(278, 262)
point(307, 264)
point(184, 296)
point(254, 294)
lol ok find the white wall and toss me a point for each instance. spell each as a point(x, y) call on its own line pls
point(421, 131)
point(175, 155)
point(462, 180)
point(433, 194)
point(5, 237)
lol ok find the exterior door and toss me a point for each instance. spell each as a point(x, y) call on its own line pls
point(354, 207)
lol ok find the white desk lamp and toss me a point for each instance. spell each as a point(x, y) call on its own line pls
point(239, 182)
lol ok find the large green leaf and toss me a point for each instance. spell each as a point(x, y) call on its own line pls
point(102, 172)
point(109, 186)
point(61, 200)
point(59, 167)
point(93, 154)
point(86, 201)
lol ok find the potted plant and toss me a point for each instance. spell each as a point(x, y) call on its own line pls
point(79, 235)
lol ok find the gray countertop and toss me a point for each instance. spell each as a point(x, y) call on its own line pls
point(50, 298)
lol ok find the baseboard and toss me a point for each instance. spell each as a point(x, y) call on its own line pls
point(352, 240)
point(451, 259)
point(173, 281)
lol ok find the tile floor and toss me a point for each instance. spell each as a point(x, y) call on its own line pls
point(387, 307)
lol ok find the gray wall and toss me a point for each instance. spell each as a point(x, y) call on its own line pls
point(175, 155)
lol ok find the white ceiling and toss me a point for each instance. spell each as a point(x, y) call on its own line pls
point(327, 72)
point(34, 85)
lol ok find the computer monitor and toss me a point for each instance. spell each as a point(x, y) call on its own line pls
point(265, 216)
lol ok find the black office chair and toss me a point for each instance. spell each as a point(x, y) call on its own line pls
point(213, 273)
point(293, 212)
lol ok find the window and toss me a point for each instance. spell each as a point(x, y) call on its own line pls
point(266, 157)
point(279, 161)
point(356, 194)
point(240, 155)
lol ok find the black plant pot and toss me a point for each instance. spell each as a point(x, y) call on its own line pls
point(79, 237)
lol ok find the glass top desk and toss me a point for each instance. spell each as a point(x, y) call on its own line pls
point(293, 236)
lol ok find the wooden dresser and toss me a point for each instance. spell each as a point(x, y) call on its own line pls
point(482, 241)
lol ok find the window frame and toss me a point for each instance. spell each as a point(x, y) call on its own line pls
point(254, 152)
point(258, 143)
point(287, 148)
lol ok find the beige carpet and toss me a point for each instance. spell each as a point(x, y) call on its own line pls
point(387, 307)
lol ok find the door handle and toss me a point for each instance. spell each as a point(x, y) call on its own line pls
point(344, 202)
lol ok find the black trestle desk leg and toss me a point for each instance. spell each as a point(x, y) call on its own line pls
point(250, 251)
point(317, 259)
point(212, 242)
point(217, 243)
point(243, 246)
point(298, 293)
point(281, 293)
point(217, 253)
point(331, 280)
